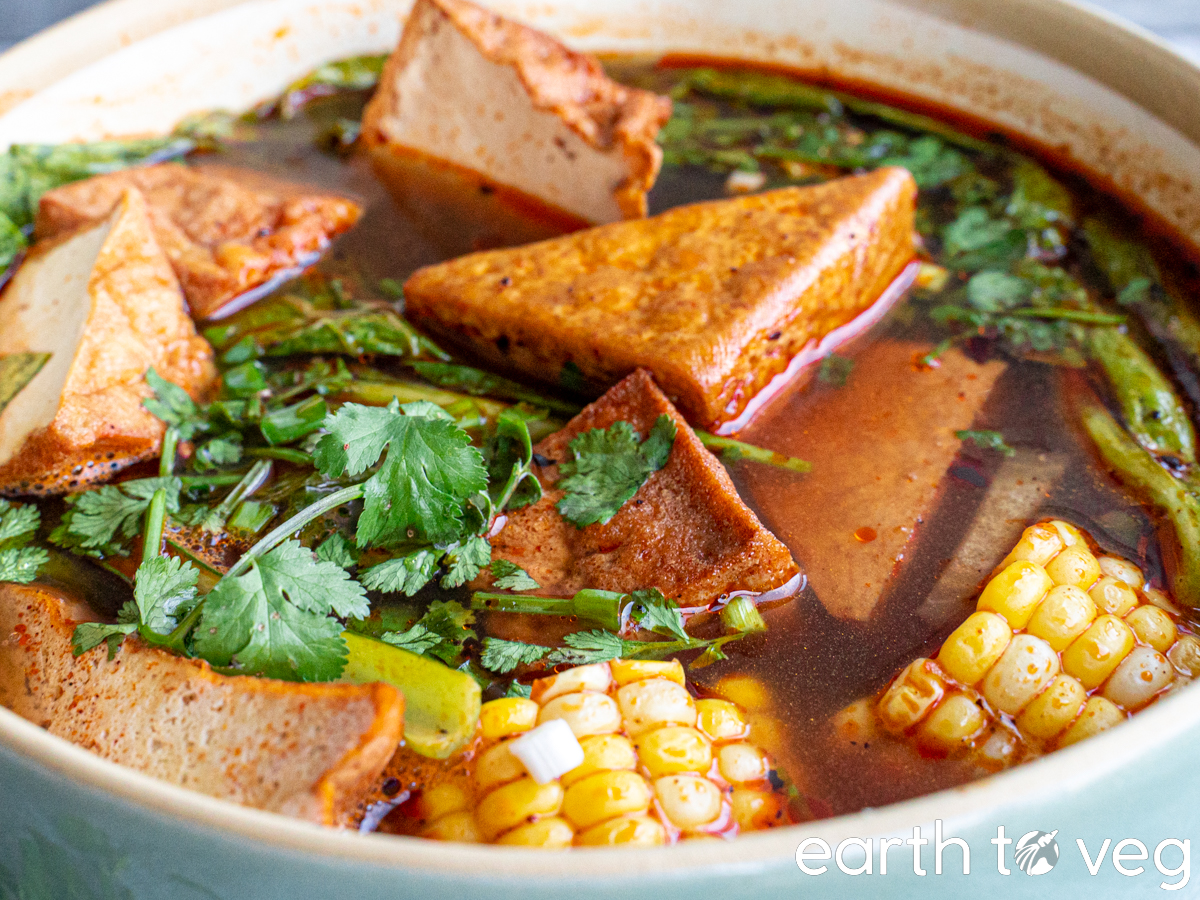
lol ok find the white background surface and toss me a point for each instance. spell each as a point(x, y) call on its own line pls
point(1176, 20)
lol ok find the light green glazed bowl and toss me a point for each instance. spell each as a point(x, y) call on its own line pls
point(74, 827)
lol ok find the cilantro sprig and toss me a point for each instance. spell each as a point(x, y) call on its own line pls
point(608, 466)
point(19, 560)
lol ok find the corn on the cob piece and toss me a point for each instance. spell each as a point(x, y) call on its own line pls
point(1064, 644)
point(658, 766)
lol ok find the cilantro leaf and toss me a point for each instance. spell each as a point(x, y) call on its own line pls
point(440, 632)
point(274, 620)
point(517, 689)
point(501, 656)
point(403, 575)
point(511, 577)
point(986, 440)
point(607, 468)
point(172, 405)
point(164, 588)
point(835, 370)
point(20, 565)
point(338, 550)
point(16, 369)
point(585, 647)
point(464, 559)
point(654, 612)
point(417, 639)
point(106, 517)
point(429, 473)
point(89, 635)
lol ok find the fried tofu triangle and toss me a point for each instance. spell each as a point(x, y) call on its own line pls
point(685, 532)
point(471, 88)
point(225, 231)
point(305, 750)
point(714, 298)
point(105, 306)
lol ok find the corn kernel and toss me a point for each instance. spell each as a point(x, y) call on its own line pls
point(999, 750)
point(911, 696)
point(974, 646)
point(1122, 570)
point(507, 716)
point(1055, 708)
point(594, 677)
point(856, 723)
point(512, 804)
point(1153, 626)
point(441, 800)
point(605, 795)
point(1113, 597)
point(550, 832)
point(587, 712)
point(756, 810)
point(745, 690)
point(1157, 598)
point(1070, 535)
point(1098, 715)
point(1038, 544)
point(1185, 656)
point(674, 749)
point(1098, 651)
point(1075, 566)
point(625, 671)
point(602, 753)
point(1139, 677)
point(741, 763)
point(953, 725)
point(1015, 592)
point(1064, 615)
point(646, 705)
point(457, 826)
point(641, 831)
point(689, 801)
point(1024, 671)
point(720, 719)
point(497, 766)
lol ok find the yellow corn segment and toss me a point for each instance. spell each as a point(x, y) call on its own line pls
point(1064, 644)
point(659, 766)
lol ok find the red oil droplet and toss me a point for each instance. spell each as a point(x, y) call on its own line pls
point(865, 535)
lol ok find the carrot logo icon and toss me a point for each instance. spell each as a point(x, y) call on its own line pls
point(1036, 853)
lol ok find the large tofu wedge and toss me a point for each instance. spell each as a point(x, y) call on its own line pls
point(305, 750)
point(226, 231)
point(715, 299)
point(685, 532)
point(880, 448)
point(471, 88)
point(105, 304)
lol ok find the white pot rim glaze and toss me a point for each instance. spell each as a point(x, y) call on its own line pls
point(1167, 85)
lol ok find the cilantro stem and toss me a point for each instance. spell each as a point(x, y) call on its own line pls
point(294, 524)
point(283, 454)
point(735, 450)
point(217, 480)
point(156, 518)
point(1086, 316)
point(602, 607)
point(166, 460)
point(250, 482)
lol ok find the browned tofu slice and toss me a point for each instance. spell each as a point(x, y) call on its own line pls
point(472, 88)
point(880, 448)
point(104, 303)
point(715, 299)
point(305, 750)
point(225, 231)
point(685, 532)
